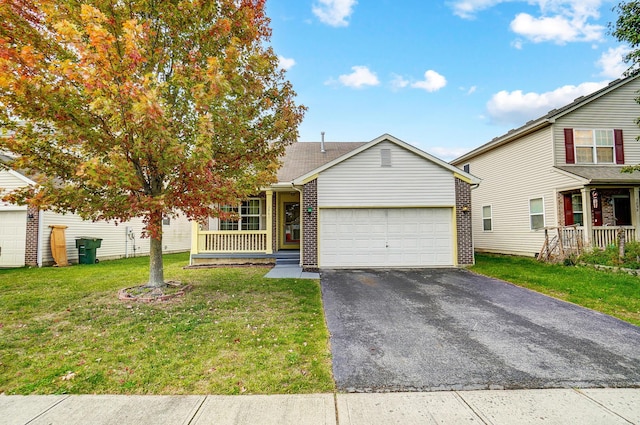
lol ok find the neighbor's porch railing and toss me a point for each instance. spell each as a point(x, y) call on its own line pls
point(562, 242)
point(604, 236)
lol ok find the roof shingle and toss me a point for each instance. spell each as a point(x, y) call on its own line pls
point(302, 157)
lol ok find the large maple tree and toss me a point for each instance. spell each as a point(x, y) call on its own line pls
point(149, 108)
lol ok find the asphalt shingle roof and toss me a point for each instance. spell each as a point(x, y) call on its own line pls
point(601, 174)
point(302, 157)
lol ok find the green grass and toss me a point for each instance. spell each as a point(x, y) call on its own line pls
point(63, 330)
point(616, 294)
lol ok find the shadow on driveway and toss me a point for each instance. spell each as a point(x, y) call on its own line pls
point(449, 329)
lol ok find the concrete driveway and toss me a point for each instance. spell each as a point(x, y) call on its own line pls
point(449, 329)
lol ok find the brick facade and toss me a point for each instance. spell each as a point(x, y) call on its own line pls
point(31, 239)
point(463, 223)
point(310, 226)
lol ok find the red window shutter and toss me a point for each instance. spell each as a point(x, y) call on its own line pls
point(568, 146)
point(568, 210)
point(617, 137)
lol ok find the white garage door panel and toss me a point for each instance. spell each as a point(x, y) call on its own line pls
point(381, 237)
point(12, 238)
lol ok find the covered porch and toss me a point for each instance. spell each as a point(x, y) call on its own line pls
point(267, 225)
point(595, 216)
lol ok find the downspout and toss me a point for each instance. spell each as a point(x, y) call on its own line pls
point(301, 221)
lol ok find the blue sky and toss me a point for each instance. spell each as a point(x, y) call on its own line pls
point(445, 76)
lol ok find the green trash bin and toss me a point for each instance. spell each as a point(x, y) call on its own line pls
point(87, 249)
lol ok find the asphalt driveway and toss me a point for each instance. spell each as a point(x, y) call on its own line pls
point(449, 329)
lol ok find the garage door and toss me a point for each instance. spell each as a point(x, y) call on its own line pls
point(13, 231)
point(380, 237)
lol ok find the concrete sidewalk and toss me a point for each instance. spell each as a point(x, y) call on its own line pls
point(557, 406)
point(290, 271)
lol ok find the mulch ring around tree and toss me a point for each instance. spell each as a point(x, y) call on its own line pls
point(146, 294)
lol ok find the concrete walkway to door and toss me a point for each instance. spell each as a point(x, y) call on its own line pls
point(449, 329)
point(288, 267)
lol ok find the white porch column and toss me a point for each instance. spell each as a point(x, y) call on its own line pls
point(269, 221)
point(195, 235)
point(587, 216)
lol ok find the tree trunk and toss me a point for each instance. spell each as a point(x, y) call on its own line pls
point(156, 268)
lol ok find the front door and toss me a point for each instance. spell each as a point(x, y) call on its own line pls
point(622, 210)
point(290, 226)
point(292, 223)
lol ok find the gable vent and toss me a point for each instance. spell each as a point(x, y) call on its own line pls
point(385, 157)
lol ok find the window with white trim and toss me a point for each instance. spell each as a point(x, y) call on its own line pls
point(594, 146)
point(487, 219)
point(249, 216)
point(576, 205)
point(536, 213)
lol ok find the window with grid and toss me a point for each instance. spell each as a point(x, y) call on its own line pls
point(249, 213)
point(487, 220)
point(594, 146)
point(576, 204)
point(536, 213)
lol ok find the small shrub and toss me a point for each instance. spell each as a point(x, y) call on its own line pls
point(571, 260)
point(609, 256)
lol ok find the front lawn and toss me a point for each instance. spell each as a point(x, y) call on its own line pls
point(63, 330)
point(616, 294)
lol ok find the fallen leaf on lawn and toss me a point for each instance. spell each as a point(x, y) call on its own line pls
point(69, 376)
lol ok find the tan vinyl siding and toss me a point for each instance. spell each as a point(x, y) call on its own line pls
point(176, 236)
point(526, 166)
point(616, 110)
point(362, 181)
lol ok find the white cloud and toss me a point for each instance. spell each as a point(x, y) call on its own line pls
point(360, 77)
point(398, 82)
point(612, 62)
point(559, 21)
point(432, 82)
point(334, 12)
point(558, 29)
point(467, 9)
point(286, 63)
point(516, 108)
point(472, 90)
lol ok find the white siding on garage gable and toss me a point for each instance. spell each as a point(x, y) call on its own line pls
point(362, 181)
point(9, 182)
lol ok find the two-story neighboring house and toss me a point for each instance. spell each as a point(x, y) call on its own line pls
point(562, 169)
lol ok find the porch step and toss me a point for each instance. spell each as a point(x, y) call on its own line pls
point(287, 261)
point(287, 258)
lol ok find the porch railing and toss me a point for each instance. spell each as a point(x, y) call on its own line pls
point(562, 242)
point(232, 241)
point(604, 236)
